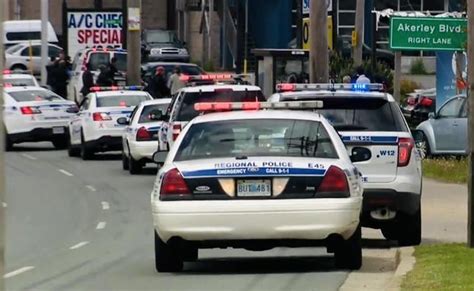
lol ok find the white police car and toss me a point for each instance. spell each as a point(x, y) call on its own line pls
point(18, 78)
point(367, 117)
point(141, 134)
point(95, 128)
point(35, 114)
point(217, 89)
point(257, 180)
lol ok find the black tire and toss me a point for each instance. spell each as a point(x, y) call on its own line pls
point(424, 147)
point(348, 254)
point(19, 68)
point(8, 143)
point(410, 229)
point(60, 143)
point(85, 151)
point(134, 167)
point(390, 232)
point(124, 162)
point(167, 258)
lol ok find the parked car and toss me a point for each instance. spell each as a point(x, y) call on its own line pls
point(148, 69)
point(418, 105)
point(445, 132)
point(18, 31)
point(17, 57)
point(163, 45)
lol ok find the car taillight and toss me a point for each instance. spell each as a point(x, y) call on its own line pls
point(28, 110)
point(425, 101)
point(101, 116)
point(334, 182)
point(173, 184)
point(176, 131)
point(405, 146)
point(143, 134)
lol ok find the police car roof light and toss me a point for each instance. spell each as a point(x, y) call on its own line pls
point(292, 87)
point(10, 72)
point(229, 106)
point(209, 77)
point(116, 88)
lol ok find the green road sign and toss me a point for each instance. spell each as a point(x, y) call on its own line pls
point(428, 33)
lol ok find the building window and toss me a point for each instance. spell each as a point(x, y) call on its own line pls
point(410, 5)
point(433, 5)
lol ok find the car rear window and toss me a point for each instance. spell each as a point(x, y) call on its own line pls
point(360, 114)
point(19, 82)
point(121, 100)
point(34, 95)
point(187, 112)
point(96, 59)
point(121, 61)
point(147, 110)
point(256, 137)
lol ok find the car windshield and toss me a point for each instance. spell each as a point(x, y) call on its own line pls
point(361, 114)
point(187, 112)
point(121, 61)
point(34, 95)
point(145, 117)
point(256, 137)
point(19, 82)
point(13, 49)
point(121, 100)
point(160, 36)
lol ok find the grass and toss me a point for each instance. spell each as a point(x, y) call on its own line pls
point(441, 267)
point(449, 170)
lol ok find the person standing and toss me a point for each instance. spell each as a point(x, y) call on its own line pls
point(112, 70)
point(103, 80)
point(362, 79)
point(50, 73)
point(87, 81)
point(61, 77)
point(157, 86)
point(175, 83)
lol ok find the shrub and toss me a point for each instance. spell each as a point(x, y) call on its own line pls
point(418, 67)
point(406, 87)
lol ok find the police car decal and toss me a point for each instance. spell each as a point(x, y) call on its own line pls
point(370, 139)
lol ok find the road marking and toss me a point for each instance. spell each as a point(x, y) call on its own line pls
point(101, 225)
point(65, 172)
point(92, 189)
point(18, 272)
point(29, 157)
point(4, 204)
point(79, 245)
point(105, 205)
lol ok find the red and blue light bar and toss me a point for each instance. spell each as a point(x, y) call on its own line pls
point(356, 87)
point(116, 88)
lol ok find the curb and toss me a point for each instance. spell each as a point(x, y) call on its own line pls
point(405, 263)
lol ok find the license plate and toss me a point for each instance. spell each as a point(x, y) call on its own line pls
point(58, 130)
point(254, 188)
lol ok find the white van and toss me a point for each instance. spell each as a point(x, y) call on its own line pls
point(17, 31)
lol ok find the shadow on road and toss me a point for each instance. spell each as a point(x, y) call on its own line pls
point(30, 147)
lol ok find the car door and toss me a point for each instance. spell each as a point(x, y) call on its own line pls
point(445, 123)
point(460, 130)
point(76, 123)
point(35, 57)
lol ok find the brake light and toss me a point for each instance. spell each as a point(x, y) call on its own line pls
point(335, 181)
point(405, 147)
point(7, 72)
point(425, 101)
point(28, 110)
point(143, 134)
point(285, 87)
point(176, 131)
point(101, 116)
point(173, 184)
point(184, 78)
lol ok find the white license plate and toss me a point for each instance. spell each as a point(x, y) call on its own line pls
point(58, 130)
point(254, 188)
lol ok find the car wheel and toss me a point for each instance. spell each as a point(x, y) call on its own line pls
point(390, 232)
point(409, 229)
point(8, 142)
point(60, 143)
point(86, 152)
point(124, 161)
point(19, 68)
point(167, 258)
point(348, 254)
point(135, 167)
point(72, 150)
point(423, 147)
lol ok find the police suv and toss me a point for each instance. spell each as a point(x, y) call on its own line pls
point(257, 179)
point(35, 114)
point(19, 78)
point(366, 117)
point(141, 133)
point(95, 127)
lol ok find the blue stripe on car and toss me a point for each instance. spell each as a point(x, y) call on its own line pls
point(252, 172)
point(371, 139)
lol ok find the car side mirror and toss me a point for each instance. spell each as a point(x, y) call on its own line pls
point(360, 154)
point(123, 121)
point(432, 115)
point(159, 157)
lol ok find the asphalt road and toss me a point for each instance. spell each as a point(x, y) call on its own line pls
point(74, 225)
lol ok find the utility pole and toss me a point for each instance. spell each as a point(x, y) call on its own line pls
point(470, 80)
point(44, 40)
point(133, 42)
point(397, 76)
point(318, 47)
point(359, 32)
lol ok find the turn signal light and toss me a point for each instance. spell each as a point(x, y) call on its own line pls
point(405, 147)
point(173, 184)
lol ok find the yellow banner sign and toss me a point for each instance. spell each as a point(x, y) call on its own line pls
point(306, 33)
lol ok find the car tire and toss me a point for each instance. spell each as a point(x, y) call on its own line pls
point(135, 167)
point(409, 229)
point(424, 147)
point(390, 232)
point(348, 254)
point(167, 258)
point(60, 143)
point(19, 68)
point(85, 151)
point(124, 162)
point(8, 142)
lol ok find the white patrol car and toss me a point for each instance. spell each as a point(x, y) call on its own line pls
point(141, 134)
point(257, 180)
point(181, 109)
point(366, 117)
point(18, 78)
point(35, 114)
point(95, 127)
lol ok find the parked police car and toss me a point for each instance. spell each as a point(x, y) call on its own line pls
point(141, 133)
point(257, 180)
point(366, 117)
point(95, 128)
point(35, 114)
point(18, 78)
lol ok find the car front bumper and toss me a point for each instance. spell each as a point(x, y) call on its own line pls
point(304, 219)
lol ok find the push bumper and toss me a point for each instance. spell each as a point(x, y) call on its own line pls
point(303, 219)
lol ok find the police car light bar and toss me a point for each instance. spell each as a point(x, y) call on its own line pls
point(211, 77)
point(231, 106)
point(293, 87)
point(11, 72)
point(116, 88)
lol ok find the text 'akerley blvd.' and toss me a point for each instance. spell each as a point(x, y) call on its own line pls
point(430, 29)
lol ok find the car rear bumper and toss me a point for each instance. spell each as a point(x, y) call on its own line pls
point(305, 219)
point(38, 134)
point(143, 150)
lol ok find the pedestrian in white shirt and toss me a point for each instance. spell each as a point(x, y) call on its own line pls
point(362, 79)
